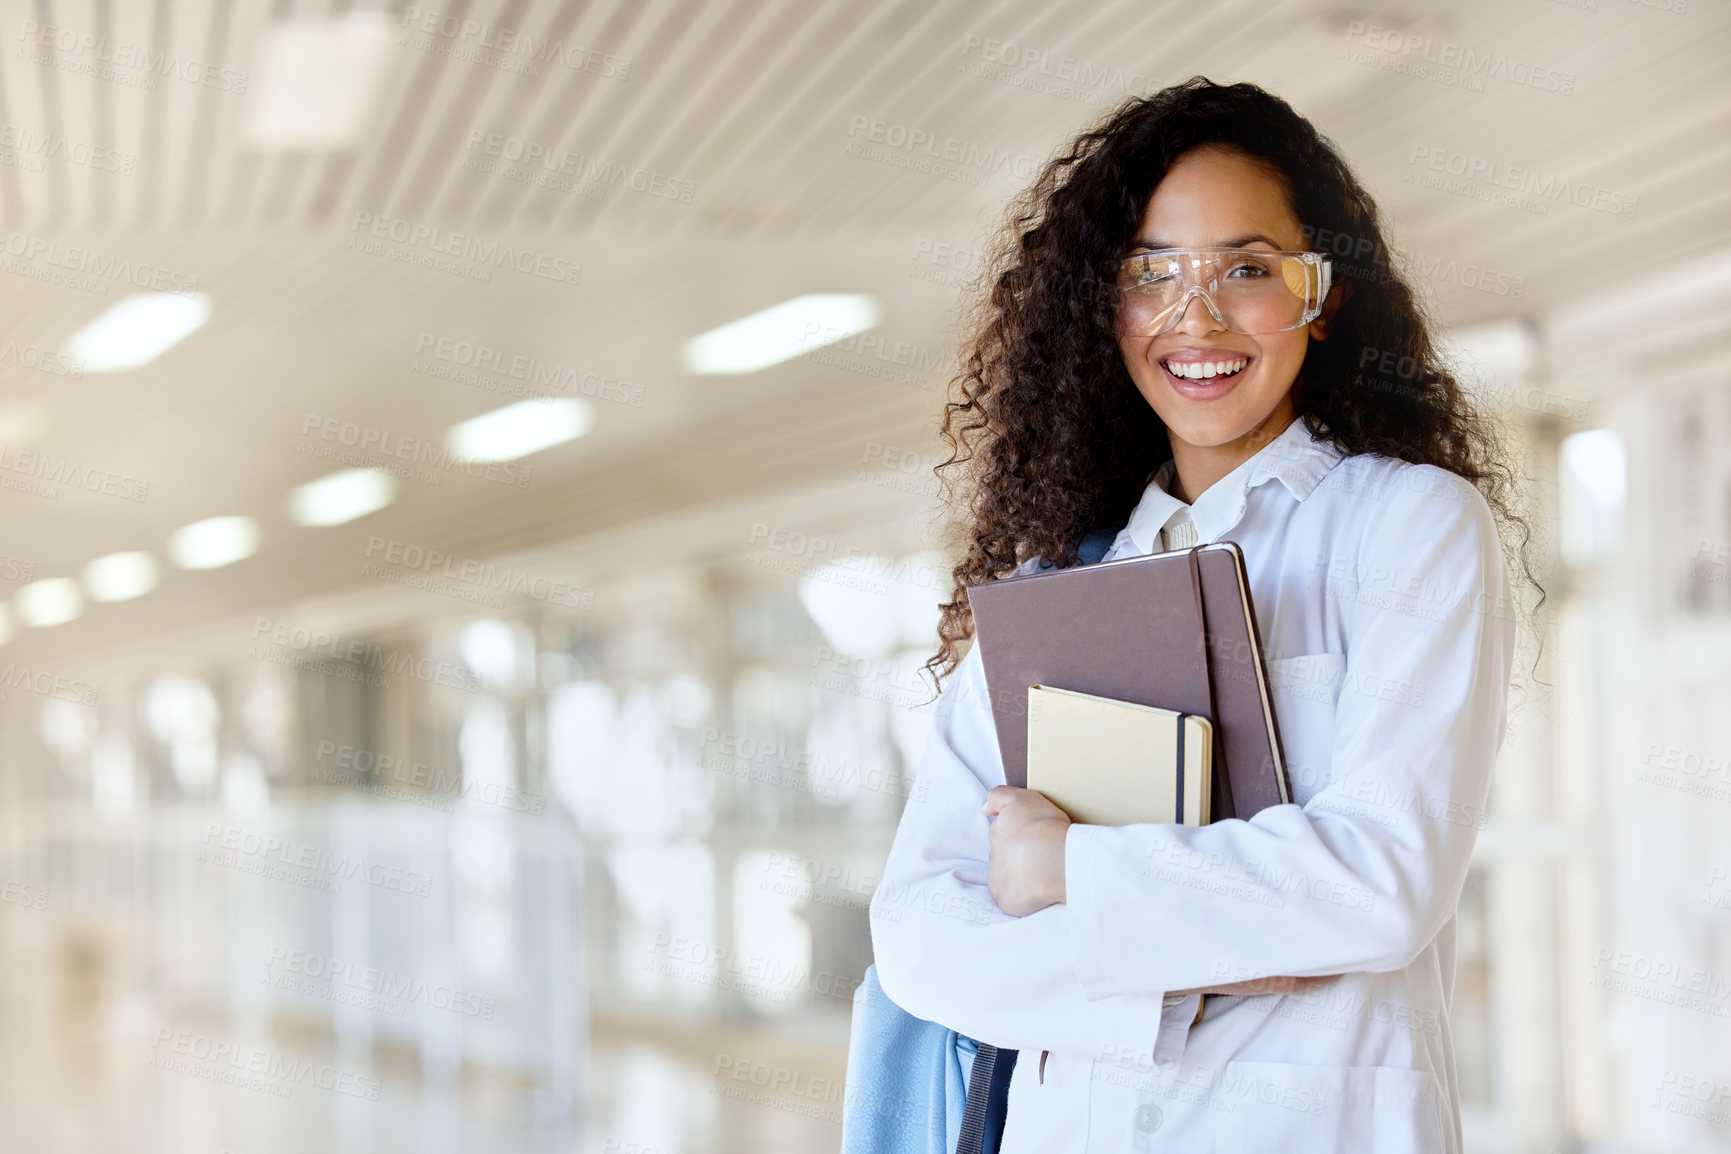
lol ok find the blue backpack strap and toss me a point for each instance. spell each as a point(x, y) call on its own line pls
point(1095, 545)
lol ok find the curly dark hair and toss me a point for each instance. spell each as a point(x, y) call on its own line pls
point(1048, 431)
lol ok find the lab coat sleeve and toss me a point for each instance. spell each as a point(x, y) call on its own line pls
point(944, 950)
point(1365, 874)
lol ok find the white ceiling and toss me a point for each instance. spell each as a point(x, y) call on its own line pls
point(752, 104)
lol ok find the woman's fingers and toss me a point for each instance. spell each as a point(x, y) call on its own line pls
point(1001, 797)
point(998, 797)
point(1025, 867)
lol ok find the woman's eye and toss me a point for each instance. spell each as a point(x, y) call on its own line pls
point(1248, 271)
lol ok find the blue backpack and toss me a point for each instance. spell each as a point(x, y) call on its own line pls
point(913, 1086)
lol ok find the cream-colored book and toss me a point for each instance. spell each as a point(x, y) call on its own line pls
point(1107, 762)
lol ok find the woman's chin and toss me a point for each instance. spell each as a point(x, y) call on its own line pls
point(1208, 432)
point(1225, 420)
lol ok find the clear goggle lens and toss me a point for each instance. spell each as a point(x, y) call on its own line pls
point(1247, 290)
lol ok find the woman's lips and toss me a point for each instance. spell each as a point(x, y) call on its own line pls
point(1207, 390)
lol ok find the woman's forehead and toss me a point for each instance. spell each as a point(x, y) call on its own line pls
point(1212, 196)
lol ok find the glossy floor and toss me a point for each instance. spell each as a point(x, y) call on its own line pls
point(109, 1083)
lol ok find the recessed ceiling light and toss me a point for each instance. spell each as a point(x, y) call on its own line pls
point(52, 601)
point(121, 576)
point(341, 497)
point(318, 81)
point(214, 542)
point(137, 329)
point(520, 429)
point(780, 333)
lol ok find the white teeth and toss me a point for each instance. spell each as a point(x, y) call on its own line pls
point(1205, 369)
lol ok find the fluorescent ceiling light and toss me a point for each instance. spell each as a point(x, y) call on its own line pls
point(520, 429)
point(53, 601)
point(780, 333)
point(318, 81)
point(121, 576)
point(341, 497)
point(214, 542)
point(137, 329)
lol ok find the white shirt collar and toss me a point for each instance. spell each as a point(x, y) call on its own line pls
point(1295, 458)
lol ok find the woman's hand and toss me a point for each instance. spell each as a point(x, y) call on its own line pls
point(1026, 868)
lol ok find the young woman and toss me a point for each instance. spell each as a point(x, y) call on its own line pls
point(1162, 351)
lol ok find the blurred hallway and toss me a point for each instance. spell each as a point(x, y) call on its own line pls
point(457, 689)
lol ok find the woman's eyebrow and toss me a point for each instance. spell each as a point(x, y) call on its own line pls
point(1235, 242)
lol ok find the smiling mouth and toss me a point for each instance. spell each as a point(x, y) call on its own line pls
point(1216, 370)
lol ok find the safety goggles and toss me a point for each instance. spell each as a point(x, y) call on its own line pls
point(1248, 290)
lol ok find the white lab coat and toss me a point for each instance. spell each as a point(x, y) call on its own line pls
point(1384, 607)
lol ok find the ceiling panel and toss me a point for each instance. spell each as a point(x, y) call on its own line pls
point(753, 107)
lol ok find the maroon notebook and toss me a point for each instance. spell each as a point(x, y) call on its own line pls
point(1129, 630)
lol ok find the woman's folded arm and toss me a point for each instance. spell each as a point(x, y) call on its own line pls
point(1364, 875)
point(946, 952)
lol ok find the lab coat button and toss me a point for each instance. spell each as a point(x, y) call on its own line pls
point(1149, 1117)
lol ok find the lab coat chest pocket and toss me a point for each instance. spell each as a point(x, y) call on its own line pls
point(1329, 1109)
point(1305, 691)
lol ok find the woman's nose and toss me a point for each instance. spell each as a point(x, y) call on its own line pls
point(1199, 321)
